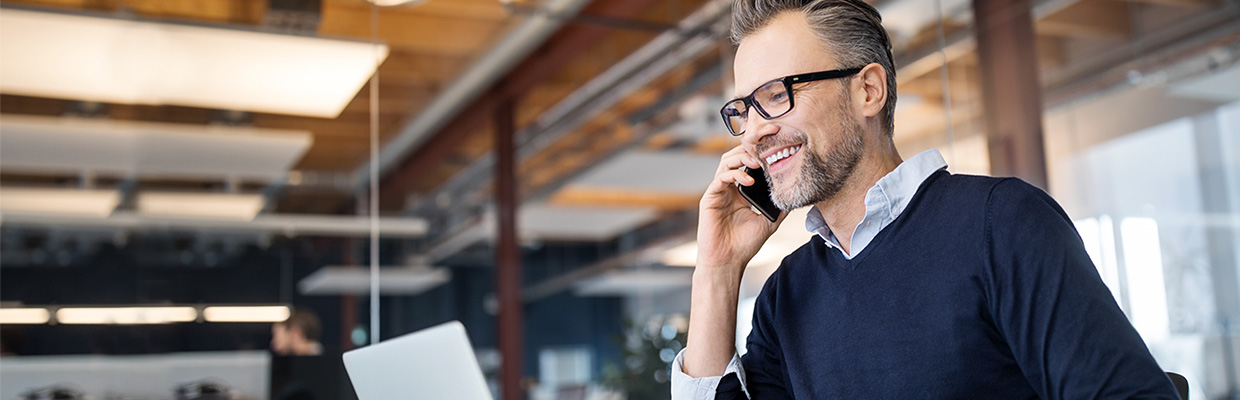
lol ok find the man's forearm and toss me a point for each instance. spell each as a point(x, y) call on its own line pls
point(712, 321)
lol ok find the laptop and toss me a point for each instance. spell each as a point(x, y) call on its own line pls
point(433, 363)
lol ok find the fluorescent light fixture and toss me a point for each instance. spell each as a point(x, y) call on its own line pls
point(112, 60)
point(201, 205)
point(43, 145)
point(678, 172)
point(125, 315)
point(580, 223)
point(24, 315)
point(407, 281)
point(93, 203)
point(245, 313)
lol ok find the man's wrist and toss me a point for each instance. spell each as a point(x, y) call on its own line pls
point(717, 277)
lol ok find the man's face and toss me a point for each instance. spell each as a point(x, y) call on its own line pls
point(821, 133)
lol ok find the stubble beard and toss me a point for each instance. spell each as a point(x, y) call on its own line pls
point(821, 178)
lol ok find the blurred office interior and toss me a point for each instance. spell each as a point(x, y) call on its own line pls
point(176, 176)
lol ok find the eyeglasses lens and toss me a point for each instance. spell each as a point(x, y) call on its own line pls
point(772, 101)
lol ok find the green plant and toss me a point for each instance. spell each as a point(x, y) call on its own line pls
point(648, 350)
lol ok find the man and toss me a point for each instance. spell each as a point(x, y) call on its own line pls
point(918, 284)
point(297, 336)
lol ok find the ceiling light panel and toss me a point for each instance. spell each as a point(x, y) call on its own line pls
point(149, 150)
point(404, 281)
point(91, 203)
point(125, 315)
point(112, 60)
point(24, 315)
point(671, 172)
point(245, 313)
point(578, 223)
point(201, 205)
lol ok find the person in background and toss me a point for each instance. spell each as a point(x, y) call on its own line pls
point(918, 283)
point(297, 336)
point(301, 368)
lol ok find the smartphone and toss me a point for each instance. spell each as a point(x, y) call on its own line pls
point(759, 194)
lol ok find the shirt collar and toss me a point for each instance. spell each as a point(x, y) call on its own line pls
point(884, 202)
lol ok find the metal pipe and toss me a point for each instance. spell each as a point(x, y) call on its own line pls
point(672, 48)
point(514, 47)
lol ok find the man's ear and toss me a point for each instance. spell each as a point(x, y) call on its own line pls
point(873, 83)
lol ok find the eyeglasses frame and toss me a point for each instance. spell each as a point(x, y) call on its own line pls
point(788, 82)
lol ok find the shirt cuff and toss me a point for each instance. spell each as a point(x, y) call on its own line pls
point(685, 387)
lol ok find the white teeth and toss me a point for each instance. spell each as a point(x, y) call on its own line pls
point(782, 154)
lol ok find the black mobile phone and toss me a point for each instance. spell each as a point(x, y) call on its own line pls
point(759, 194)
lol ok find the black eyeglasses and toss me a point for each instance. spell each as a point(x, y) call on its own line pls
point(773, 99)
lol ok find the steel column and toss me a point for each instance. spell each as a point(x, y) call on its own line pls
point(508, 255)
point(1011, 92)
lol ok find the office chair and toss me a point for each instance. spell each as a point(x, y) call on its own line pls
point(1181, 384)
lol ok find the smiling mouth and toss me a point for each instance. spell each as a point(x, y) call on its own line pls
point(782, 154)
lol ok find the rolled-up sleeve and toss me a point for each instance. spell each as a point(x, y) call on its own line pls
point(685, 387)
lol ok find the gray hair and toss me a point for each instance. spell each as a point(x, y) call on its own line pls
point(851, 29)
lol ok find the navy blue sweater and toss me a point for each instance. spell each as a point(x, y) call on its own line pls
point(980, 289)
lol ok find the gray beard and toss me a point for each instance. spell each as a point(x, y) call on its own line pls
point(821, 178)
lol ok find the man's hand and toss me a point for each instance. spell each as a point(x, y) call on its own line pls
point(729, 234)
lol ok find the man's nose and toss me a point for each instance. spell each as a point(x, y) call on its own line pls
point(756, 128)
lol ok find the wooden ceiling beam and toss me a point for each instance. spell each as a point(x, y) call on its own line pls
point(570, 42)
point(1179, 3)
point(489, 10)
point(356, 128)
point(14, 104)
point(453, 37)
point(248, 12)
point(565, 46)
point(1051, 54)
point(414, 68)
point(1088, 19)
